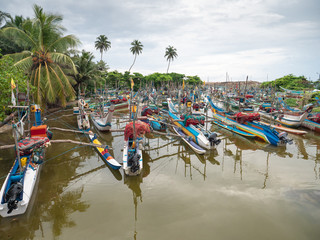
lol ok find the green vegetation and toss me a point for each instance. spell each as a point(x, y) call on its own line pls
point(290, 82)
point(8, 72)
point(44, 59)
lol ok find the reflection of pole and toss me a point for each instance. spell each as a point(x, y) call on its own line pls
point(267, 173)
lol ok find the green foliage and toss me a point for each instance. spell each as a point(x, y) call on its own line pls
point(292, 102)
point(44, 57)
point(290, 82)
point(8, 72)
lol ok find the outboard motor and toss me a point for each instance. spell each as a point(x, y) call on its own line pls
point(12, 195)
point(133, 162)
point(283, 137)
point(213, 139)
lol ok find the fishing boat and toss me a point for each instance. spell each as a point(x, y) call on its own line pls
point(232, 127)
point(187, 126)
point(312, 123)
point(17, 189)
point(155, 121)
point(289, 117)
point(104, 152)
point(102, 121)
point(132, 154)
point(282, 128)
point(82, 116)
point(244, 122)
point(189, 141)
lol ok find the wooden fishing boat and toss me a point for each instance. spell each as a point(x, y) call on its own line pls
point(82, 116)
point(189, 141)
point(101, 120)
point(191, 130)
point(104, 152)
point(17, 189)
point(233, 128)
point(282, 128)
point(289, 119)
point(312, 125)
point(132, 154)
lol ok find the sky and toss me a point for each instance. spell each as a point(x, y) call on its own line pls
point(261, 39)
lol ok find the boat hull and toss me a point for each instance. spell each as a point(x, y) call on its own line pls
point(189, 142)
point(29, 181)
point(126, 168)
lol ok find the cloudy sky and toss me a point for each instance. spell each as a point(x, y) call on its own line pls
point(264, 39)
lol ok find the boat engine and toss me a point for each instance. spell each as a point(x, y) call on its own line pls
point(213, 139)
point(133, 162)
point(283, 136)
point(12, 195)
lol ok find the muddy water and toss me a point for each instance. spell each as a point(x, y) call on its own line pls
point(244, 189)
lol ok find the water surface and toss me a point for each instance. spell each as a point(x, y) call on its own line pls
point(244, 189)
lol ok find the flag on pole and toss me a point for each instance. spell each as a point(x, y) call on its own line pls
point(13, 99)
point(183, 84)
point(132, 83)
point(13, 85)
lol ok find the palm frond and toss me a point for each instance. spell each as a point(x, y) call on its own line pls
point(61, 58)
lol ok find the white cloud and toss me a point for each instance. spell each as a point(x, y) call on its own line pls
point(243, 37)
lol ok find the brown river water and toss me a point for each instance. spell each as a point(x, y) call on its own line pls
point(244, 189)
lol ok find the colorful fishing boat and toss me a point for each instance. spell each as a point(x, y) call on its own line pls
point(265, 133)
point(82, 116)
point(132, 154)
point(189, 141)
point(232, 127)
point(282, 128)
point(104, 152)
point(102, 121)
point(189, 128)
point(17, 189)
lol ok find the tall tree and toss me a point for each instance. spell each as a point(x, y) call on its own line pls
point(4, 17)
point(43, 58)
point(136, 49)
point(87, 70)
point(102, 44)
point(170, 54)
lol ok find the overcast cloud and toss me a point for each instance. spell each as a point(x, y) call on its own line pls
point(258, 38)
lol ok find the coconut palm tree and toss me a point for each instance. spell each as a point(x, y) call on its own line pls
point(102, 44)
point(136, 49)
point(4, 17)
point(43, 58)
point(170, 54)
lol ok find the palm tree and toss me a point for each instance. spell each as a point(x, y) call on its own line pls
point(44, 58)
point(87, 70)
point(136, 49)
point(171, 53)
point(4, 17)
point(102, 44)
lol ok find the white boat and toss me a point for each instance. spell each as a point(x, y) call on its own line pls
point(103, 122)
point(189, 141)
point(191, 130)
point(132, 154)
point(132, 158)
point(17, 189)
point(82, 116)
point(289, 119)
